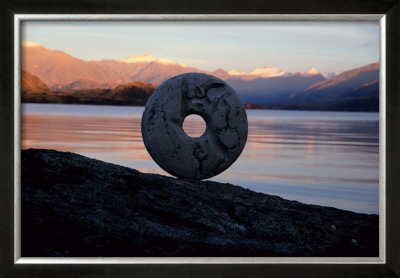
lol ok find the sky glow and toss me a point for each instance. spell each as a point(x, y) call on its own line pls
point(241, 46)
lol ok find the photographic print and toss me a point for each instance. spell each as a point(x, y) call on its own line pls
point(305, 185)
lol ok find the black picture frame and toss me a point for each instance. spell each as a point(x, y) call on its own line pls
point(391, 10)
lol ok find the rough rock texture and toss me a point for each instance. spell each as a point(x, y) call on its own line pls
point(76, 206)
point(226, 126)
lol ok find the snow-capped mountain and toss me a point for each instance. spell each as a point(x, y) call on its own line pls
point(148, 58)
point(264, 72)
point(326, 74)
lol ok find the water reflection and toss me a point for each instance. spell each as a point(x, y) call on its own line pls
point(314, 157)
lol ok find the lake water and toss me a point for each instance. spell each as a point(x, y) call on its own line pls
point(323, 158)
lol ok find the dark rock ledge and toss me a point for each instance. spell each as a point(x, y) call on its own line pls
point(76, 206)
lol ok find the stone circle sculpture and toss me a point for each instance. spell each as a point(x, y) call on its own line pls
point(194, 157)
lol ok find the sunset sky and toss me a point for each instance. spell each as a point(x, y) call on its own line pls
point(242, 46)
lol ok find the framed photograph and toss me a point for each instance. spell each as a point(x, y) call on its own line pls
point(312, 188)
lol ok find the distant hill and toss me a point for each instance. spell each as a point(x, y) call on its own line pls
point(34, 90)
point(273, 89)
point(83, 84)
point(133, 93)
point(358, 82)
point(354, 90)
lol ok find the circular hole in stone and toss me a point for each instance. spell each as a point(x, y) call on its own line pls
point(194, 125)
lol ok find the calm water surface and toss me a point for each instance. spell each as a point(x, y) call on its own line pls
point(324, 158)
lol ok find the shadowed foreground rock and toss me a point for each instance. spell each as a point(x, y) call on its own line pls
point(76, 206)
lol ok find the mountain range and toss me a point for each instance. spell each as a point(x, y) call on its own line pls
point(353, 90)
point(265, 87)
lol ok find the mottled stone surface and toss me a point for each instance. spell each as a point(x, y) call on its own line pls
point(226, 126)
